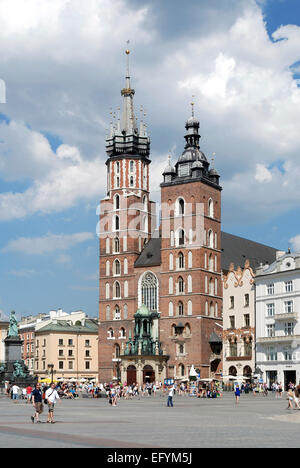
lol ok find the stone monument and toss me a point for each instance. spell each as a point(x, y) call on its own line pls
point(13, 369)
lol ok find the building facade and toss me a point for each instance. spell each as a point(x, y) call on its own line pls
point(27, 326)
point(175, 270)
point(239, 322)
point(67, 350)
point(277, 320)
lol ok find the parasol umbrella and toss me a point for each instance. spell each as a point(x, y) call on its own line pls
point(45, 380)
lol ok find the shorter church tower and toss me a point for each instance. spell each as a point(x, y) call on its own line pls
point(191, 300)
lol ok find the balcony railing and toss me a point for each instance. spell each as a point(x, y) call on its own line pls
point(287, 316)
point(277, 339)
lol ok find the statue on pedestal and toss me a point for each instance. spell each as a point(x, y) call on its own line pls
point(13, 330)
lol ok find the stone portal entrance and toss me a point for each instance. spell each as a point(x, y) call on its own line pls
point(148, 374)
point(131, 375)
point(143, 360)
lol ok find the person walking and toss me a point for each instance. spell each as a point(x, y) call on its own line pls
point(237, 393)
point(290, 398)
point(297, 397)
point(51, 396)
point(15, 392)
point(28, 393)
point(37, 403)
point(170, 395)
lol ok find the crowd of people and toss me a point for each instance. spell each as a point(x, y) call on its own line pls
point(115, 391)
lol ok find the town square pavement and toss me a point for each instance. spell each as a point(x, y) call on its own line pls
point(148, 422)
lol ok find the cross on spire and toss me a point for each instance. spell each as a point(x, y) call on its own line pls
point(192, 105)
point(127, 52)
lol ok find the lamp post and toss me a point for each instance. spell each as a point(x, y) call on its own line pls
point(51, 367)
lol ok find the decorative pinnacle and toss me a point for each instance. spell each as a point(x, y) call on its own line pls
point(127, 52)
point(213, 160)
point(193, 104)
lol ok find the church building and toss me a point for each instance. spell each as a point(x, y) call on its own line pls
point(160, 305)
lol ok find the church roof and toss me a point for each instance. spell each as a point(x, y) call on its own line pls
point(214, 338)
point(238, 249)
point(234, 250)
point(90, 326)
point(151, 254)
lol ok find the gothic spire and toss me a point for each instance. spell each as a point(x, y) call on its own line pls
point(128, 122)
point(125, 137)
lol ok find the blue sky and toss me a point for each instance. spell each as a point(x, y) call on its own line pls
point(63, 66)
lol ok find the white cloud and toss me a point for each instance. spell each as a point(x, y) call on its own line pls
point(58, 180)
point(47, 243)
point(295, 243)
point(72, 70)
point(262, 173)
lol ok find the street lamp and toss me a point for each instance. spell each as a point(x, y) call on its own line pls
point(51, 367)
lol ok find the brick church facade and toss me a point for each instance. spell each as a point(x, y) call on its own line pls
point(171, 271)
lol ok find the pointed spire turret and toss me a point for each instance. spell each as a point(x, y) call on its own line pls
point(127, 138)
point(192, 163)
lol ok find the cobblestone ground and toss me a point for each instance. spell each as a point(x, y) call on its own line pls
point(148, 422)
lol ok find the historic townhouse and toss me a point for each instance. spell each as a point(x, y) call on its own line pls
point(277, 320)
point(239, 322)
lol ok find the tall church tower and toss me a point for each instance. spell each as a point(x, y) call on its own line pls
point(191, 259)
point(127, 219)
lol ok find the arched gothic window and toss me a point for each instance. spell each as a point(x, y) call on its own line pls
point(149, 291)
point(117, 267)
point(117, 351)
point(210, 239)
point(180, 206)
point(180, 284)
point(117, 313)
point(180, 308)
point(117, 223)
point(116, 245)
point(108, 312)
point(117, 202)
point(117, 289)
point(181, 237)
point(210, 208)
point(145, 203)
point(180, 260)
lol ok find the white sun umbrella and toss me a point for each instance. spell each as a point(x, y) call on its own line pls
point(193, 373)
